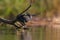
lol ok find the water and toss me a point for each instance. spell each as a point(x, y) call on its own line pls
point(9, 34)
point(38, 33)
point(7, 37)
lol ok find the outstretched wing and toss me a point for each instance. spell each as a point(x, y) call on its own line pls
point(25, 10)
point(6, 21)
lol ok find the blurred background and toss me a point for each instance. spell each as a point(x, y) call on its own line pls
point(43, 9)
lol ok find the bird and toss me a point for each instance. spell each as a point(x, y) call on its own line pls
point(21, 18)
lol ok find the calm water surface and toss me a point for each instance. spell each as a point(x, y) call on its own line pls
point(37, 34)
point(7, 37)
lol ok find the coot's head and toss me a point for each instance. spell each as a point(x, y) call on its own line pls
point(28, 16)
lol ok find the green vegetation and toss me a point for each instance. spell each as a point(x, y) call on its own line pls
point(10, 6)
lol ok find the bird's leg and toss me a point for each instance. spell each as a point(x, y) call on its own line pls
point(17, 26)
point(24, 26)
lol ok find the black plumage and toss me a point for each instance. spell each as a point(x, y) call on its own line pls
point(22, 18)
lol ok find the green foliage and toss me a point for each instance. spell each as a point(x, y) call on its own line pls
point(8, 5)
point(38, 6)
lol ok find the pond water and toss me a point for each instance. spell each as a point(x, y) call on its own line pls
point(7, 37)
point(37, 33)
point(6, 34)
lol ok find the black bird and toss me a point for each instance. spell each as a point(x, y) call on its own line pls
point(22, 18)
